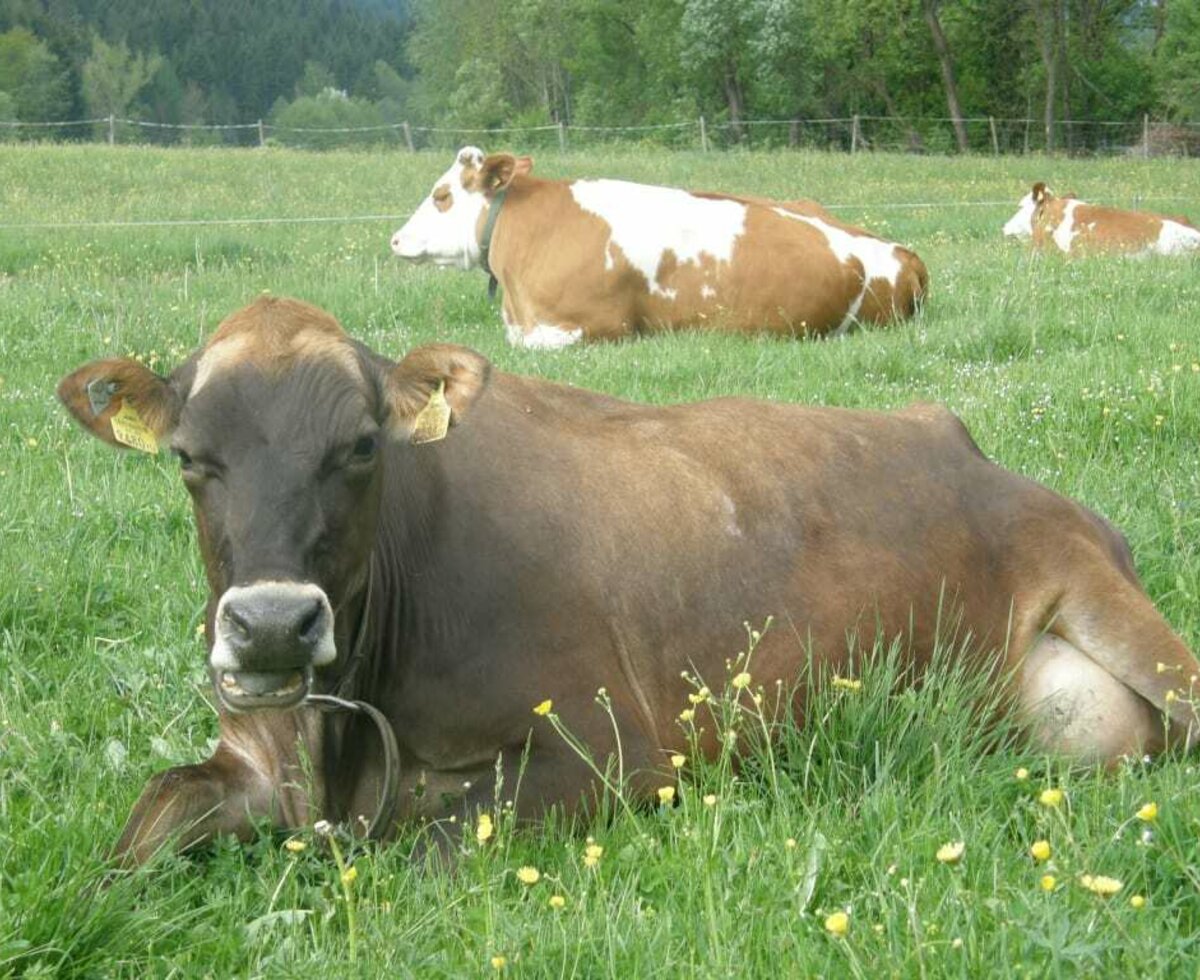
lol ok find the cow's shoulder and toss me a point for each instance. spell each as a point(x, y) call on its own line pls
point(941, 421)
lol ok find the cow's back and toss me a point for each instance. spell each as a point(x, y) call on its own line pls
point(606, 258)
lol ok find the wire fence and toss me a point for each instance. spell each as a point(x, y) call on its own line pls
point(851, 134)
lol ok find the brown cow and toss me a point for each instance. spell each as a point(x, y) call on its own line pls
point(1075, 227)
point(605, 259)
point(556, 541)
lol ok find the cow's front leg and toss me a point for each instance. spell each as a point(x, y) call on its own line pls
point(256, 775)
point(189, 805)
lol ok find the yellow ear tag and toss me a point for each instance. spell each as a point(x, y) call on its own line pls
point(129, 430)
point(433, 420)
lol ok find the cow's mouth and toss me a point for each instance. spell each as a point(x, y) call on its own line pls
point(247, 690)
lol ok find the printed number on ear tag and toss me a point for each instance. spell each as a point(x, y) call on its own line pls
point(129, 430)
point(433, 420)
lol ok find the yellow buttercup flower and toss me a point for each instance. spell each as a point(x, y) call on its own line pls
point(498, 963)
point(666, 794)
point(1040, 851)
point(528, 876)
point(557, 902)
point(1148, 812)
point(592, 854)
point(1022, 773)
point(1138, 901)
point(710, 799)
point(837, 924)
point(952, 852)
point(294, 845)
point(484, 829)
point(1048, 882)
point(349, 875)
point(1101, 885)
point(678, 760)
point(1051, 797)
point(543, 708)
point(741, 681)
point(687, 714)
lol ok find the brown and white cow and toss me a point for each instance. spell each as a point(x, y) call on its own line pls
point(605, 259)
point(555, 541)
point(1075, 227)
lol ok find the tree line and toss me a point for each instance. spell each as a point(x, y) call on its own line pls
point(311, 64)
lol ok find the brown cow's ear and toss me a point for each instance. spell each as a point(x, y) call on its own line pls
point(122, 403)
point(497, 171)
point(524, 167)
point(433, 388)
point(1040, 192)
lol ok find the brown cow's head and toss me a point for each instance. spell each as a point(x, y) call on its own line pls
point(1020, 225)
point(445, 228)
point(278, 423)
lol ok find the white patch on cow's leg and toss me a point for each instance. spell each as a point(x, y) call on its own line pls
point(512, 329)
point(546, 336)
point(646, 222)
point(1175, 239)
point(1020, 225)
point(1077, 708)
point(1066, 231)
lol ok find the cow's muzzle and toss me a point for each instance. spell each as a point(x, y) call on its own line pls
point(269, 637)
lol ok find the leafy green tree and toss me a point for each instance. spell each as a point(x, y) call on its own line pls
point(300, 122)
point(113, 77)
point(32, 77)
point(1177, 61)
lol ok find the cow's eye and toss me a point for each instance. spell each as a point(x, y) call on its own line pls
point(185, 461)
point(364, 449)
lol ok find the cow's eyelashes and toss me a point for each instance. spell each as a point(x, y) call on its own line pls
point(364, 448)
point(194, 468)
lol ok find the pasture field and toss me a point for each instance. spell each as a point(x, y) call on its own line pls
point(1085, 376)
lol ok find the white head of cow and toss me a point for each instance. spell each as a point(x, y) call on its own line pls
point(445, 228)
point(1020, 226)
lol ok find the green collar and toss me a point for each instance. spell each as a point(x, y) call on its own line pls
point(486, 244)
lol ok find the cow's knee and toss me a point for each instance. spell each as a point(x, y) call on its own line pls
point(547, 336)
point(1075, 707)
point(186, 806)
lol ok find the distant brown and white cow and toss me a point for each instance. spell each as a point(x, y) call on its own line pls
point(555, 541)
point(605, 259)
point(1075, 227)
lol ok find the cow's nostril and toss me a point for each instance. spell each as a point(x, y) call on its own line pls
point(310, 625)
point(238, 621)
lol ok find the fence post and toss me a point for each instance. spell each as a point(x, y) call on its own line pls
point(408, 136)
point(112, 129)
point(1146, 135)
point(262, 137)
point(562, 135)
point(703, 135)
point(995, 139)
point(854, 134)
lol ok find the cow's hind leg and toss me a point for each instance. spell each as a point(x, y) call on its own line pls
point(1074, 707)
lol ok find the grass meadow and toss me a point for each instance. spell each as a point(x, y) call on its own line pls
point(1085, 376)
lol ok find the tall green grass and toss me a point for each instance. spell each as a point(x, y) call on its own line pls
point(1085, 376)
